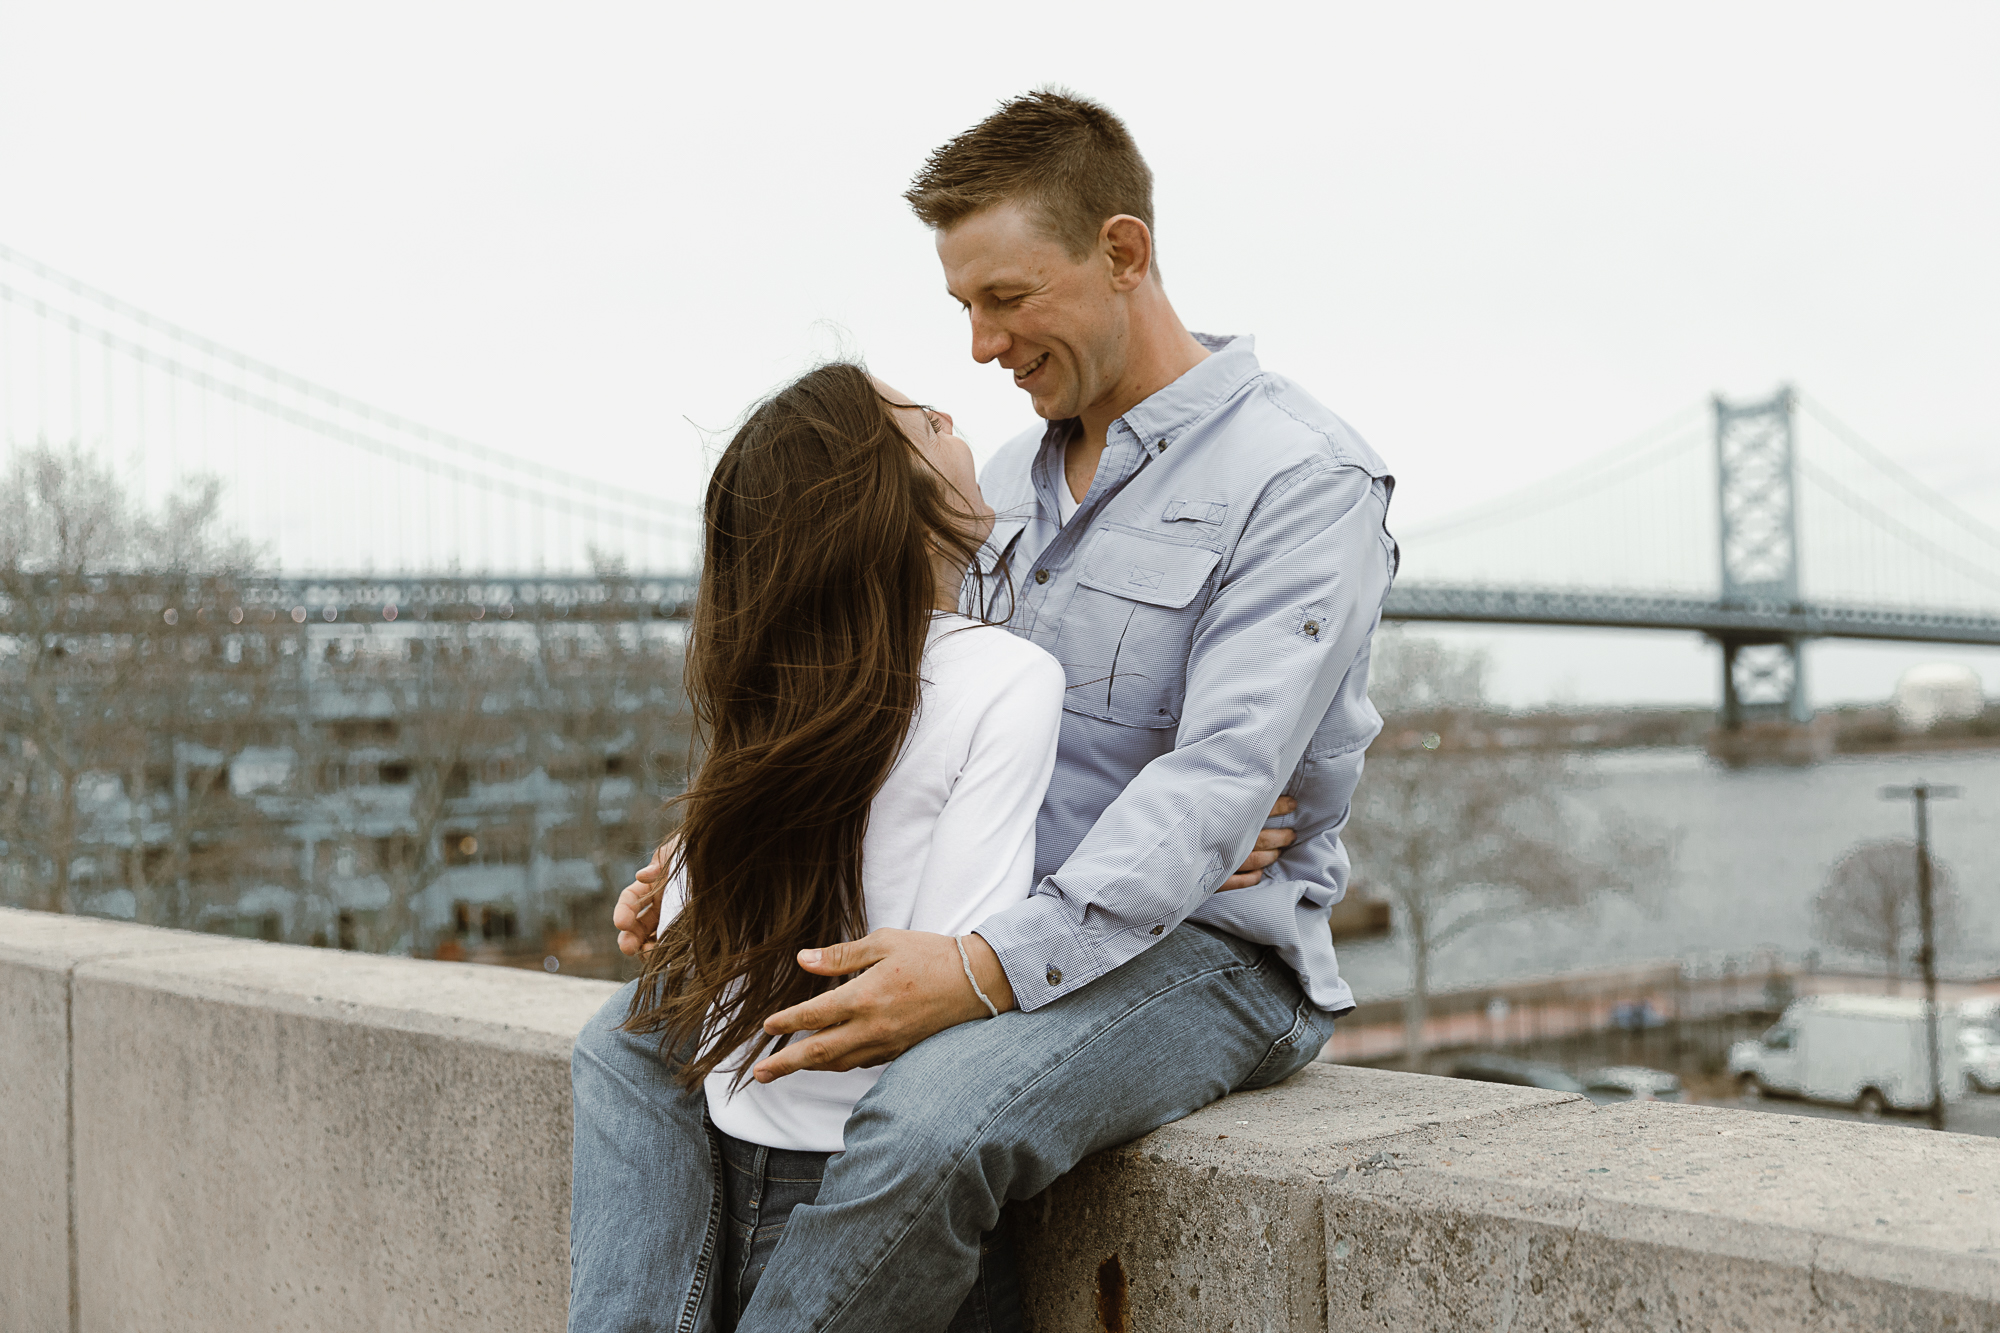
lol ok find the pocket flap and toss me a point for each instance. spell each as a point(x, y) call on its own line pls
point(1196, 511)
point(1125, 564)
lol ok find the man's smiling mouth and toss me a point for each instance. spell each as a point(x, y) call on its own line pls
point(1024, 372)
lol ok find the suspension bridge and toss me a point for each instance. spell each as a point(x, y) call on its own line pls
point(1761, 525)
point(1704, 525)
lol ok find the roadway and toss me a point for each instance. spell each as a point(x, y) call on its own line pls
point(1746, 621)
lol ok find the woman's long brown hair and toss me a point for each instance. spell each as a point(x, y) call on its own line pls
point(803, 665)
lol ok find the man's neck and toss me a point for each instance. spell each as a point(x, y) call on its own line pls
point(1161, 351)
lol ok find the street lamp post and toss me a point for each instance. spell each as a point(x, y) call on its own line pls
point(1922, 794)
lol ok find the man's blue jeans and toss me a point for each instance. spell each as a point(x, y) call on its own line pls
point(962, 1122)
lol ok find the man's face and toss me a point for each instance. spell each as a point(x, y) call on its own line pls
point(1055, 322)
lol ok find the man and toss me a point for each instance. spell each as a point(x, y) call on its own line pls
point(1203, 547)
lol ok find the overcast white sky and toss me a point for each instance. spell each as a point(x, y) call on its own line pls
point(1498, 239)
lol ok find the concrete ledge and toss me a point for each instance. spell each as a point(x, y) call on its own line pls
point(38, 955)
point(204, 1134)
point(345, 1142)
point(1363, 1199)
point(249, 1136)
point(1218, 1221)
point(1673, 1217)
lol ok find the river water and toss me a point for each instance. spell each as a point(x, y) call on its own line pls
point(1755, 846)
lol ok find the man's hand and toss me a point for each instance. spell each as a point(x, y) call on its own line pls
point(1271, 844)
point(912, 984)
point(637, 914)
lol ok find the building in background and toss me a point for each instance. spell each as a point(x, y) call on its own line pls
point(428, 787)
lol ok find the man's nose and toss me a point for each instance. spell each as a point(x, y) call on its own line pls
point(988, 340)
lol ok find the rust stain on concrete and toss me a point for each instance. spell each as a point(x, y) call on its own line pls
point(1113, 1313)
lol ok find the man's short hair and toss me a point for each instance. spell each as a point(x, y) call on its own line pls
point(1066, 157)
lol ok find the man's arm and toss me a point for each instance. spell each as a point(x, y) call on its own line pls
point(1291, 617)
point(636, 914)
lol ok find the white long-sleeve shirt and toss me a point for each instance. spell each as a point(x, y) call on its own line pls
point(950, 841)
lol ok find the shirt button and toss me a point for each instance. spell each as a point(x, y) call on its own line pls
point(1053, 976)
point(1041, 576)
point(1157, 929)
point(1312, 627)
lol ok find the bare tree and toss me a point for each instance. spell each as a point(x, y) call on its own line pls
point(1459, 835)
point(1869, 902)
point(67, 519)
point(166, 695)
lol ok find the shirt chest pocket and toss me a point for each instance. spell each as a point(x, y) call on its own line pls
point(1129, 626)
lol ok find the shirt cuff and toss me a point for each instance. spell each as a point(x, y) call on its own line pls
point(1040, 951)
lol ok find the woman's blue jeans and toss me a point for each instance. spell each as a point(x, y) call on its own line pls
point(962, 1122)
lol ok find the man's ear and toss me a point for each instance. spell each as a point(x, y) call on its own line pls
point(1127, 244)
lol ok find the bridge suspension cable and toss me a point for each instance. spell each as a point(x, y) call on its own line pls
point(158, 402)
point(600, 507)
point(1910, 482)
point(299, 384)
point(1642, 451)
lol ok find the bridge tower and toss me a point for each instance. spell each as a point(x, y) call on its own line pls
point(1763, 675)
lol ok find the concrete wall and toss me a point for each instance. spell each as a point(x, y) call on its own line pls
point(204, 1134)
point(1364, 1199)
point(212, 1134)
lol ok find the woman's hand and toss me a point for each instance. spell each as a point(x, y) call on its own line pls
point(1271, 844)
point(637, 914)
point(912, 984)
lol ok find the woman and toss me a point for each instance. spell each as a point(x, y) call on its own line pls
point(874, 760)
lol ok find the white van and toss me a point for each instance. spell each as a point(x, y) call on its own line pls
point(1870, 1052)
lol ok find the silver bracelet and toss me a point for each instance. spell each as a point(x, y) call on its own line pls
point(959, 940)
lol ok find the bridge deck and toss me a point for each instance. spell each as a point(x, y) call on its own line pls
point(1749, 621)
point(123, 603)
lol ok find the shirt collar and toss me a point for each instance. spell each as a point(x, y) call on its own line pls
point(1231, 362)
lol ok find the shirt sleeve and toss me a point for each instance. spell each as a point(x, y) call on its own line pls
point(982, 848)
point(1290, 617)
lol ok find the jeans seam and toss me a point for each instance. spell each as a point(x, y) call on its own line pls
point(706, 1262)
point(1301, 1023)
point(1234, 965)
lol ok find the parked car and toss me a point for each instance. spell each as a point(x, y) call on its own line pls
point(1516, 1073)
point(1981, 1056)
point(1871, 1052)
point(1632, 1083)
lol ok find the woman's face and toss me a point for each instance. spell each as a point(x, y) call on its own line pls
point(932, 432)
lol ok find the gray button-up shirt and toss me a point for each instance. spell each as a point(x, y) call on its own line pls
point(1211, 601)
